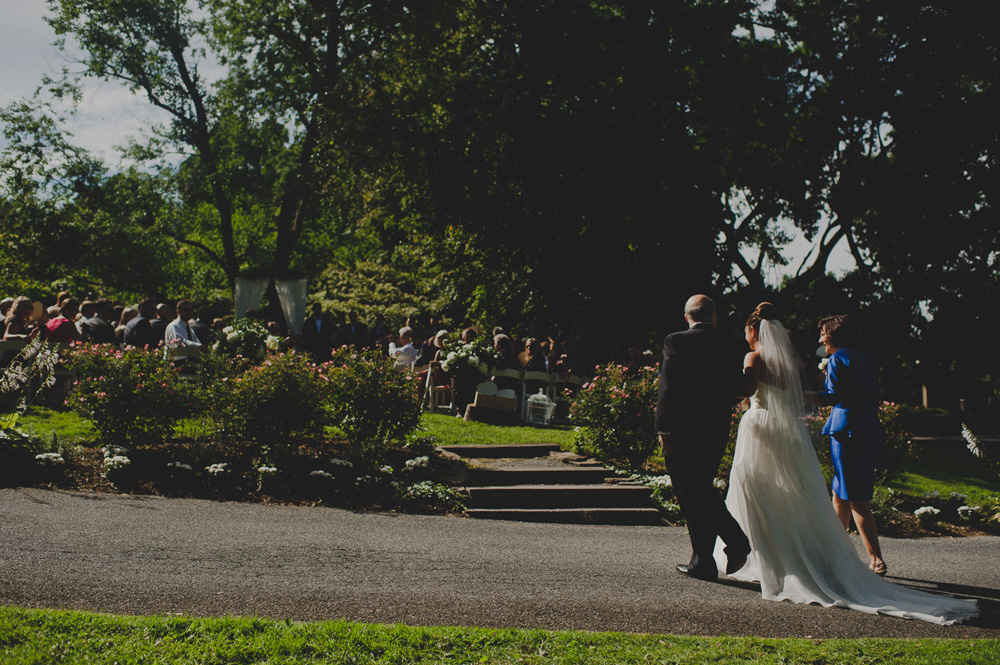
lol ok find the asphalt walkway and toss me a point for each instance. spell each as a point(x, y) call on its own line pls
point(150, 555)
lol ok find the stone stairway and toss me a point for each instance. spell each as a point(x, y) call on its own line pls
point(540, 483)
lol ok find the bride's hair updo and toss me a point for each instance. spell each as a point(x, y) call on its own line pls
point(764, 312)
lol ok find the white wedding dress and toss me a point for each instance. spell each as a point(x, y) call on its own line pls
point(800, 551)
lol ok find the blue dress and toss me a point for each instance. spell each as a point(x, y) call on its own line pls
point(853, 426)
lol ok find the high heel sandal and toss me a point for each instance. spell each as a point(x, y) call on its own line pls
point(879, 568)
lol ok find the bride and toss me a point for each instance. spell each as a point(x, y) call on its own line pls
point(800, 550)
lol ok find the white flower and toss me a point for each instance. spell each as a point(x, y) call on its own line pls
point(961, 498)
point(336, 461)
point(823, 363)
point(273, 343)
point(227, 330)
point(926, 510)
point(112, 451)
point(930, 496)
point(318, 473)
point(50, 458)
point(116, 462)
point(232, 337)
point(660, 481)
point(483, 368)
point(418, 462)
point(217, 469)
point(474, 361)
point(179, 465)
point(720, 483)
point(386, 469)
point(265, 470)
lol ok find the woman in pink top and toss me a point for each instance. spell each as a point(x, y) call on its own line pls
point(62, 329)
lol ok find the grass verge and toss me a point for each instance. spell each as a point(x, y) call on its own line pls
point(52, 636)
point(947, 467)
point(454, 431)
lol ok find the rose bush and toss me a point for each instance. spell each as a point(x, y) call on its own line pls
point(370, 402)
point(615, 414)
point(131, 397)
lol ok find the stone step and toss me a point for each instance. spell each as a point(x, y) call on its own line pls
point(609, 516)
point(560, 496)
point(568, 475)
point(512, 450)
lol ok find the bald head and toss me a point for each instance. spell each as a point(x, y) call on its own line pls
point(699, 309)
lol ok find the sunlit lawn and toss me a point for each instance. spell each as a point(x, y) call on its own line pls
point(44, 636)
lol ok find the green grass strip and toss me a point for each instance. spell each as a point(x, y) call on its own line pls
point(454, 431)
point(52, 636)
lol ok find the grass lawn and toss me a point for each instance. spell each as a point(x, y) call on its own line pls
point(49, 636)
point(948, 467)
point(454, 431)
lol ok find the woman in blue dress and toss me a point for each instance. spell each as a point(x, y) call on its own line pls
point(854, 430)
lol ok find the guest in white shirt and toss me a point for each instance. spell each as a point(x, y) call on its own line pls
point(404, 353)
point(178, 331)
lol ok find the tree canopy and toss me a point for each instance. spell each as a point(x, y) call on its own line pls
point(526, 163)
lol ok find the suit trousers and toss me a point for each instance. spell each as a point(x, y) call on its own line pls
point(692, 466)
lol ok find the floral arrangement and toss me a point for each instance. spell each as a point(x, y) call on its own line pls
point(477, 354)
point(247, 338)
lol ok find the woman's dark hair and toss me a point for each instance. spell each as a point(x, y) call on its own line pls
point(764, 312)
point(839, 328)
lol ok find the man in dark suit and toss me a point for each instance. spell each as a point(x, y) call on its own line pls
point(317, 334)
point(699, 380)
point(138, 331)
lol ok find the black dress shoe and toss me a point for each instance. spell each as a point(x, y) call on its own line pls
point(735, 560)
point(690, 571)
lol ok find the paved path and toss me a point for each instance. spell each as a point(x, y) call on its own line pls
point(139, 555)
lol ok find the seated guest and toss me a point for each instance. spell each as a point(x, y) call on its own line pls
point(4, 310)
point(202, 325)
point(506, 358)
point(164, 315)
point(88, 309)
point(178, 332)
point(128, 313)
point(98, 328)
point(536, 357)
point(429, 351)
point(404, 352)
point(17, 324)
point(62, 329)
point(469, 335)
point(139, 332)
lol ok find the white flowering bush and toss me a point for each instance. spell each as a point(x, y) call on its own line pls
point(336, 461)
point(663, 495)
point(421, 462)
point(218, 469)
point(179, 466)
point(50, 459)
point(320, 473)
point(928, 515)
point(116, 463)
point(428, 495)
point(969, 514)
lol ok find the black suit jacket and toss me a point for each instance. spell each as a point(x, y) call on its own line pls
point(700, 377)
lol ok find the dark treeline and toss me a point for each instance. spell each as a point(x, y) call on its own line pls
point(537, 163)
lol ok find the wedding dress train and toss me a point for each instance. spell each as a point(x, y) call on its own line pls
point(800, 551)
